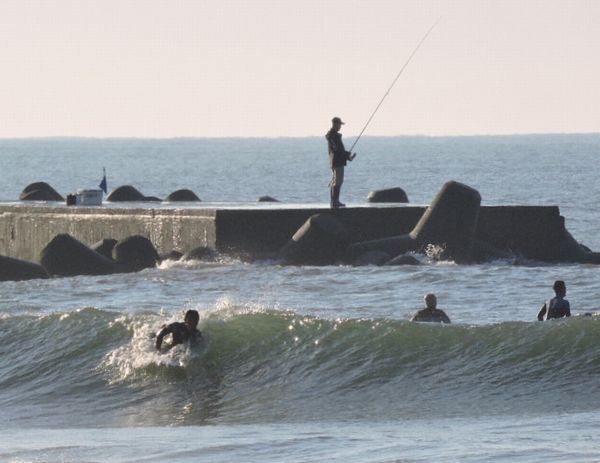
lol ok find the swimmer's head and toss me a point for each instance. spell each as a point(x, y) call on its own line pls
point(430, 301)
point(191, 318)
point(559, 287)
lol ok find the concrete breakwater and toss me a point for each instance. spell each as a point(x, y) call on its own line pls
point(26, 229)
point(535, 232)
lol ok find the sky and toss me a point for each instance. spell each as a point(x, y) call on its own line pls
point(279, 68)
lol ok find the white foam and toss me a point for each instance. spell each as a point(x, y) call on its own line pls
point(128, 360)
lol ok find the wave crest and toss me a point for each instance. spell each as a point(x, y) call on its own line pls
point(264, 364)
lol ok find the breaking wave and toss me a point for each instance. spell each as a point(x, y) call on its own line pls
point(100, 367)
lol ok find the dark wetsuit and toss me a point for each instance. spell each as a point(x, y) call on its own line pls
point(557, 307)
point(430, 315)
point(181, 333)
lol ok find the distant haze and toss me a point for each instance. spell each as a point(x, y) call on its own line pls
point(283, 68)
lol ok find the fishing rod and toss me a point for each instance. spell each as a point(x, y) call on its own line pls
point(395, 80)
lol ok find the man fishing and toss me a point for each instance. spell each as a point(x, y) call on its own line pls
point(338, 156)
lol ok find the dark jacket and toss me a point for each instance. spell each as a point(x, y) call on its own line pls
point(337, 153)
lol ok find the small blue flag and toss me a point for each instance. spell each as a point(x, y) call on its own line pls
point(103, 184)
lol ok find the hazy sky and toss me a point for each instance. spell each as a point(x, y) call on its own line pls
point(152, 68)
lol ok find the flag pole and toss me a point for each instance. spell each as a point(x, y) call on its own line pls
point(103, 185)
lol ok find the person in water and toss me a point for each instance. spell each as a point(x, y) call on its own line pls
point(558, 306)
point(430, 313)
point(181, 332)
point(338, 156)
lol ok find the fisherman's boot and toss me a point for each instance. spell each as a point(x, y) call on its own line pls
point(336, 197)
point(332, 200)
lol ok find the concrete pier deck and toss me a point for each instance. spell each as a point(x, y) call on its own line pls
point(536, 232)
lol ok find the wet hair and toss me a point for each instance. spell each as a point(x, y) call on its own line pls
point(192, 315)
point(430, 299)
point(559, 286)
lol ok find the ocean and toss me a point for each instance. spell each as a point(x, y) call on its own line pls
point(305, 363)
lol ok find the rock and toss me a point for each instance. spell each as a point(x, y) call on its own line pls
point(485, 252)
point(40, 191)
point(152, 199)
point(267, 199)
point(125, 193)
point(404, 259)
point(450, 221)
point(322, 240)
point(104, 247)
point(372, 258)
point(392, 246)
point(202, 253)
point(182, 195)
point(592, 258)
point(135, 253)
point(575, 251)
point(66, 256)
point(389, 195)
point(12, 269)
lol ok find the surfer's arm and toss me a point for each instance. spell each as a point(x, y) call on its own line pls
point(416, 317)
point(159, 337)
point(540, 315)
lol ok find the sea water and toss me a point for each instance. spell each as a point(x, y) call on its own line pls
point(307, 364)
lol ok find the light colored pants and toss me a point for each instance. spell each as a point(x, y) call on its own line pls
point(337, 176)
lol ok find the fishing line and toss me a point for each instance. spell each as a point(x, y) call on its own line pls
point(395, 80)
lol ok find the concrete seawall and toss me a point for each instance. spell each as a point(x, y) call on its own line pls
point(25, 230)
point(537, 232)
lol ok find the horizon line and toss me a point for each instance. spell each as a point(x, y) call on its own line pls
point(280, 137)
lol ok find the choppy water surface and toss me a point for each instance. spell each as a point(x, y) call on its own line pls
point(306, 363)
